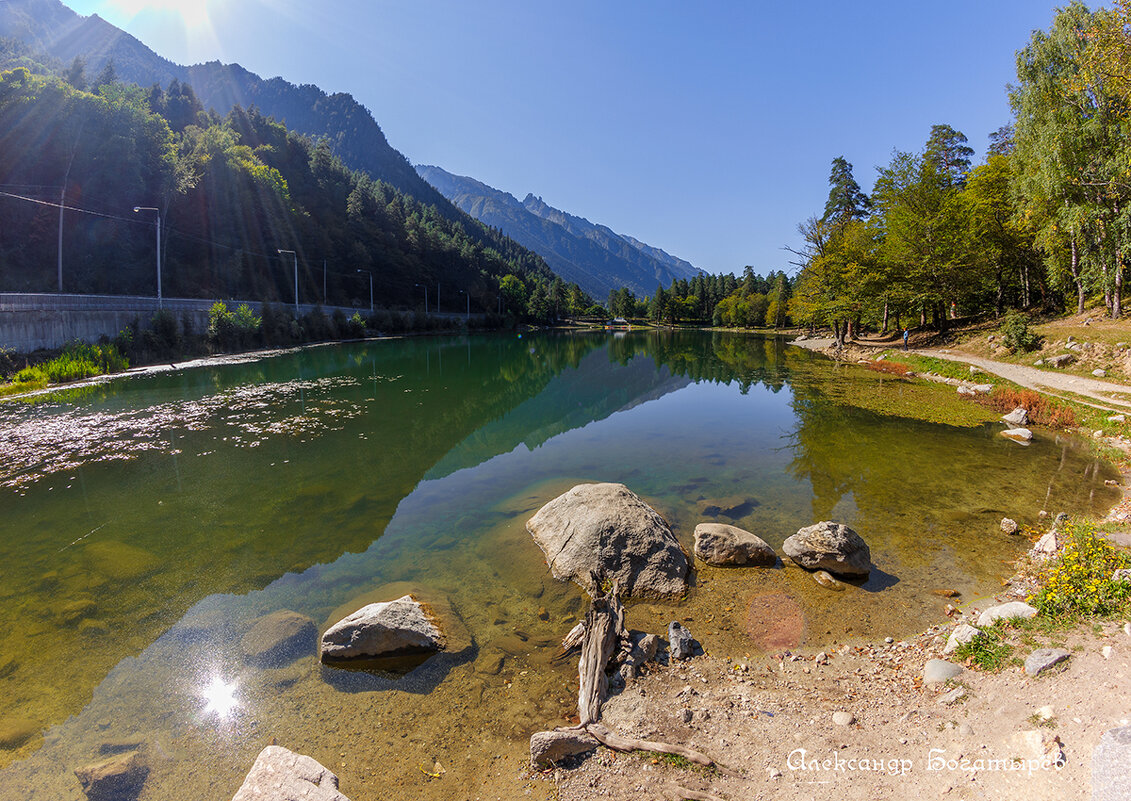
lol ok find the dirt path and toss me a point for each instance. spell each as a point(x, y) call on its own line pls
point(1113, 394)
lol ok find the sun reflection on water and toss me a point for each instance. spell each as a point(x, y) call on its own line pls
point(220, 697)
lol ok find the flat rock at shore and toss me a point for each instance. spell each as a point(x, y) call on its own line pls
point(1007, 611)
point(607, 530)
point(278, 638)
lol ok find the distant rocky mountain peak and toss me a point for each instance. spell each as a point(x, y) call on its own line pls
point(596, 257)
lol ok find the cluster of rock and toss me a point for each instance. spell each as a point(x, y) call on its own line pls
point(606, 530)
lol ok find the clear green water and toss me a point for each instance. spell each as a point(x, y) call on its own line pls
point(146, 522)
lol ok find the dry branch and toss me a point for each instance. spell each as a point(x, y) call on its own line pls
point(617, 742)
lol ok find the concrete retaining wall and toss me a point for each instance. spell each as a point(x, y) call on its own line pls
point(29, 322)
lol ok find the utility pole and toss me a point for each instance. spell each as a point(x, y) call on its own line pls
point(158, 213)
point(281, 252)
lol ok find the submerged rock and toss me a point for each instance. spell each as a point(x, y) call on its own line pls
point(1009, 526)
point(718, 544)
point(644, 648)
point(775, 621)
point(1018, 434)
point(826, 580)
point(119, 561)
point(118, 778)
point(380, 629)
point(549, 747)
point(278, 638)
point(282, 775)
point(607, 530)
point(829, 546)
point(14, 732)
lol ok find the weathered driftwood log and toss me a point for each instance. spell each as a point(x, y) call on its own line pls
point(604, 630)
point(617, 742)
point(674, 792)
point(574, 638)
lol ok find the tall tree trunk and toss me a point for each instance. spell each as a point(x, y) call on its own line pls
point(1074, 268)
point(848, 330)
point(999, 297)
point(1026, 298)
point(923, 316)
point(884, 330)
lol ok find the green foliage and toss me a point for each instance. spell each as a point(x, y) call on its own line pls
point(1016, 334)
point(988, 650)
point(229, 330)
point(77, 361)
point(1078, 582)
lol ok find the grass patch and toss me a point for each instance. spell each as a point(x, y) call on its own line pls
point(943, 367)
point(988, 650)
point(77, 361)
point(674, 761)
point(1041, 722)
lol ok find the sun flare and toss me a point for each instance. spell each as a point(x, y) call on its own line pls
point(193, 13)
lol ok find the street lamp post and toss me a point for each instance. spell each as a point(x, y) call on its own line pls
point(158, 213)
point(467, 316)
point(281, 252)
point(370, 289)
point(425, 297)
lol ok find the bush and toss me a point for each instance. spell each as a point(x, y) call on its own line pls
point(232, 331)
point(77, 361)
point(354, 327)
point(1016, 334)
point(1043, 410)
point(1078, 583)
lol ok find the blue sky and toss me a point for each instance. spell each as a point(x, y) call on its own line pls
point(706, 129)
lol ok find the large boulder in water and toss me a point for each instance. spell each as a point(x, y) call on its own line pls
point(278, 638)
point(402, 626)
point(282, 775)
point(829, 546)
point(607, 530)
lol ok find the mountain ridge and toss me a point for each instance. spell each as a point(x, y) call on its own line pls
point(593, 255)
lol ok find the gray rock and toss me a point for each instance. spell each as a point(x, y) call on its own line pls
point(1119, 539)
point(1117, 418)
point(962, 634)
point(1009, 526)
point(937, 671)
point(1111, 766)
point(550, 747)
point(679, 641)
point(1046, 546)
point(282, 775)
point(719, 544)
point(392, 627)
point(1063, 360)
point(1018, 417)
point(953, 696)
point(118, 778)
point(983, 389)
point(1018, 434)
point(278, 638)
point(965, 390)
point(1006, 611)
point(1042, 659)
point(829, 546)
point(607, 530)
point(644, 648)
point(843, 718)
point(1099, 373)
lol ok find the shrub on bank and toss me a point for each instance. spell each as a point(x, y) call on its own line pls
point(1016, 334)
point(1043, 410)
point(77, 361)
point(1078, 582)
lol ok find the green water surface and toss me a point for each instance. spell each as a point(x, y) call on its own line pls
point(147, 522)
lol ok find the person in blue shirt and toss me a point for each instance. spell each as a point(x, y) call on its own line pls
point(906, 333)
